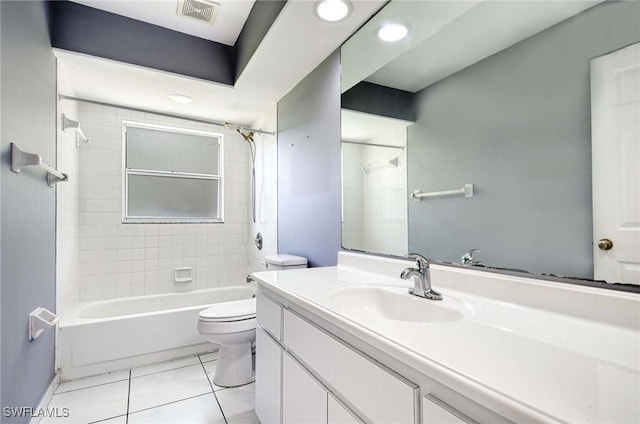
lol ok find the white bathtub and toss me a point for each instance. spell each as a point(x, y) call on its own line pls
point(110, 335)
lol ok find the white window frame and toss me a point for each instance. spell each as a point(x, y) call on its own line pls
point(126, 219)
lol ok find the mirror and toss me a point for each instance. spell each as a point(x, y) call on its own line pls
point(484, 109)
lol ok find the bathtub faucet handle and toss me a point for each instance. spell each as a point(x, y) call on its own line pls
point(250, 278)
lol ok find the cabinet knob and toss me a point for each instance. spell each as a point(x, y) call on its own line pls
point(605, 244)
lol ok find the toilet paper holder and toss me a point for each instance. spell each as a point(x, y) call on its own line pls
point(39, 320)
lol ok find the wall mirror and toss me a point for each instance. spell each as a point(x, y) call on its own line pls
point(484, 109)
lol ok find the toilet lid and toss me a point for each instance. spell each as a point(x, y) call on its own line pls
point(235, 310)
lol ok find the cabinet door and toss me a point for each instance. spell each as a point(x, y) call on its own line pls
point(338, 414)
point(268, 378)
point(304, 401)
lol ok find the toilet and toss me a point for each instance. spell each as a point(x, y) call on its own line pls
point(232, 326)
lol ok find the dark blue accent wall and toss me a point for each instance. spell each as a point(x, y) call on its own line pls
point(27, 240)
point(91, 31)
point(380, 100)
point(262, 16)
point(309, 204)
point(98, 33)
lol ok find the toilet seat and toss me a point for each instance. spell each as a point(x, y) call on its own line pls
point(237, 310)
point(232, 326)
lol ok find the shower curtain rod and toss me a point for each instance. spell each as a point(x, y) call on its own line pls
point(373, 144)
point(227, 125)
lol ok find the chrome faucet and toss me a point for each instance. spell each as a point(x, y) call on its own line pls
point(421, 278)
point(469, 259)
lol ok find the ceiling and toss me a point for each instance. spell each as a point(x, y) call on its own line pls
point(445, 37)
point(358, 127)
point(296, 43)
point(231, 17)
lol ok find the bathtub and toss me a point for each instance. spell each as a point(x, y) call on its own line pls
point(110, 335)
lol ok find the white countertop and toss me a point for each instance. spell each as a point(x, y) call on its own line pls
point(529, 362)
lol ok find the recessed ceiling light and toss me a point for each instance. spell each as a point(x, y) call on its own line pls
point(181, 98)
point(392, 32)
point(332, 10)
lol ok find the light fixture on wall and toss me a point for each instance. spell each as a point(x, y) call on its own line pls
point(391, 32)
point(332, 10)
point(181, 98)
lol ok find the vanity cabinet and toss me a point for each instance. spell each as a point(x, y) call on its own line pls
point(305, 374)
point(435, 411)
point(338, 414)
point(268, 378)
point(301, 378)
point(304, 401)
point(379, 394)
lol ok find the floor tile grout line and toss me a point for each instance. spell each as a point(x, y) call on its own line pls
point(126, 420)
point(169, 403)
point(177, 368)
point(109, 418)
point(129, 376)
point(91, 387)
point(172, 369)
point(213, 391)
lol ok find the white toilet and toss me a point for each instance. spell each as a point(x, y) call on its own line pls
point(232, 326)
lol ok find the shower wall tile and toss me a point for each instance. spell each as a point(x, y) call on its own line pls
point(375, 195)
point(120, 260)
point(68, 212)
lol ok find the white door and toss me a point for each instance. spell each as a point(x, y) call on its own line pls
point(615, 116)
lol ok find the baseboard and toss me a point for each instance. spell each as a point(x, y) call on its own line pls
point(46, 398)
point(74, 373)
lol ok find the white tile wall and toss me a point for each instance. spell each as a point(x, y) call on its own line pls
point(68, 211)
point(266, 192)
point(385, 202)
point(120, 260)
point(352, 193)
point(375, 201)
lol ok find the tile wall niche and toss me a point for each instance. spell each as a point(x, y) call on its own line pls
point(121, 260)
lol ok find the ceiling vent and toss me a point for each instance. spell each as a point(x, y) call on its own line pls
point(202, 10)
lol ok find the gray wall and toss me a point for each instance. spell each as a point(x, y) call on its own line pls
point(517, 125)
point(27, 249)
point(309, 166)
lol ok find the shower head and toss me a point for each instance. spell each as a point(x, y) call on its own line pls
point(248, 136)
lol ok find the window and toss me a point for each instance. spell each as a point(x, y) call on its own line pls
point(171, 174)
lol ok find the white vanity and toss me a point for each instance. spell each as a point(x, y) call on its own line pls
point(348, 344)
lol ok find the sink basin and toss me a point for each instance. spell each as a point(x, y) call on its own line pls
point(395, 303)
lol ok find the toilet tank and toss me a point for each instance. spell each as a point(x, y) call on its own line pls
point(276, 262)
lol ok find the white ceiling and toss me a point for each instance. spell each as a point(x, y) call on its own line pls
point(295, 45)
point(361, 127)
point(445, 37)
point(231, 17)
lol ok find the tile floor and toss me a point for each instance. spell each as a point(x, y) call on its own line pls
point(180, 391)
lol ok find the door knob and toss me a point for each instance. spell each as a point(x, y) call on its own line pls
point(605, 244)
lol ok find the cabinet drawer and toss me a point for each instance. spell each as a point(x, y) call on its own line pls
point(269, 315)
point(378, 395)
point(434, 411)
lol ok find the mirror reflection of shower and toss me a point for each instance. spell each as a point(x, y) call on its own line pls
point(381, 165)
point(374, 174)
